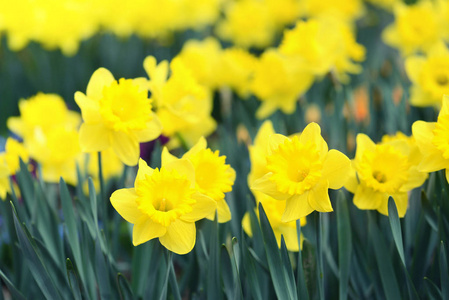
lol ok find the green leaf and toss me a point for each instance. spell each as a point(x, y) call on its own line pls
point(73, 280)
point(124, 288)
point(275, 265)
point(310, 268)
point(173, 282)
point(250, 270)
point(15, 293)
point(301, 286)
point(226, 272)
point(35, 263)
point(72, 232)
point(141, 260)
point(396, 228)
point(288, 270)
point(384, 263)
point(102, 273)
point(433, 292)
point(344, 244)
point(429, 213)
point(214, 291)
point(26, 185)
point(444, 277)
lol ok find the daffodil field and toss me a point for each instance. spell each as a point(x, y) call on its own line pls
point(224, 149)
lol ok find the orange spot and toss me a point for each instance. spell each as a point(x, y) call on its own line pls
point(361, 99)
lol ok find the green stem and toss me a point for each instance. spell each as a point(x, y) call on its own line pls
point(318, 221)
point(173, 281)
point(102, 192)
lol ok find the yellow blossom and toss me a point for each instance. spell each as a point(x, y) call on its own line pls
point(247, 23)
point(164, 204)
point(326, 45)
point(429, 76)
point(278, 83)
point(417, 27)
point(348, 10)
point(116, 114)
point(10, 163)
point(432, 139)
point(274, 210)
point(35, 112)
point(183, 105)
point(213, 177)
point(301, 170)
point(383, 170)
point(57, 151)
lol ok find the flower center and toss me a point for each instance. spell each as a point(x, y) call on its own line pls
point(384, 170)
point(212, 174)
point(125, 106)
point(441, 135)
point(165, 196)
point(296, 167)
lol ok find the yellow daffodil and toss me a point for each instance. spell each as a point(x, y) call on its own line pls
point(384, 170)
point(278, 83)
point(301, 170)
point(183, 105)
point(417, 27)
point(432, 139)
point(326, 45)
point(116, 114)
point(34, 113)
point(247, 23)
point(10, 163)
point(429, 76)
point(213, 177)
point(274, 210)
point(345, 10)
point(164, 204)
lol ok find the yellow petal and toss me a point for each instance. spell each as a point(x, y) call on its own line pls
point(246, 225)
point(274, 141)
point(183, 167)
point(336, 169)
point(142, 171)
point(364, 143)
point(352, 182)
point(367, 198)
point(414, 180)
point(90, 109)
point(312, 133)
point(266, 109)
point(297, 207)
point(100, 78)
point(423, 134)
point(126, 147)
point(401, 201)
point(94, 137)
point(290, 238)
point(200, 145)
point(232, 174)
point(151, 132)
point(15, 124)
point(268, 187)
point(146, 229)
point(180, 237)
point(413, 67)
point(203, 207)
point(124, 202)
point(223, 212)
point(319, 197)
point(265, 130)
point(167, 157)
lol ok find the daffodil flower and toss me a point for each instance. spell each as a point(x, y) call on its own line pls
point(301, 170)
point(116, 114)
point(164, 204)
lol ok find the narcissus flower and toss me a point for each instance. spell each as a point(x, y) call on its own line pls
point(164, 204)
point(417, 27)
point(116, 114)
point(429, 75)
point(10, 163)
point(183, 105)
point(301, 170)
point(274, 210)
point(432, 139)
point(383, 170)
point(213, 177)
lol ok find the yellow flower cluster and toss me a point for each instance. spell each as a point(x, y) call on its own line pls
point(165, 203)
point(53, 142)
point(41, 20)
